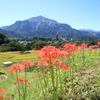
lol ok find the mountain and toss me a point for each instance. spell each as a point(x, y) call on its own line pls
point(94, 33)
point(11, 34)
point(89, 30)
point(44, 27)
point(3, 27)
point(42, 19)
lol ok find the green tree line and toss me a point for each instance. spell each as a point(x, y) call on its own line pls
point(38, 42)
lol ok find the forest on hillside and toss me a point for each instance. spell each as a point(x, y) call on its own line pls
point(38, 42)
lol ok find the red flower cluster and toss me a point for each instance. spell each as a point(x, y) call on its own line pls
point(70, 47)
point(18, 68)
point(73, 47)
point(44, 70)
point(42, 64)
point(22, 81)
point(2, 96)
point(64, 66)
point(26, 64)
point(98, 43)
point(1, 90)
point(34, 77)
point(51, 52)
point(83, 45)
point(56, 62)
point(15, 68)
point(40, 74)
point(93, 46)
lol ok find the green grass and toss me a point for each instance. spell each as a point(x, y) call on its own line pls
point(80, 82)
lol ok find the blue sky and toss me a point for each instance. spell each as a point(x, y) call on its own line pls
point(79, 14)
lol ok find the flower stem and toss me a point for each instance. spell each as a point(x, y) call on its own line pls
point(25, 94)
point(18, 86)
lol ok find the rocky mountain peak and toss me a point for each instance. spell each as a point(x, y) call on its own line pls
point(41, 19)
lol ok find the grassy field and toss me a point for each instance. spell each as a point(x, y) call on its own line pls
point(79, 82)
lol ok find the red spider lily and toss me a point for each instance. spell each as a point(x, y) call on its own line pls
point(15, 83)
point(47, 62)
point(45, 70)
point(64, 66)
point(34, 77)
point(40, 74)
point(64, 54)
point(93, 46)
point(2, 96)
point(20, 80)
point(1, 90)
point(15, 68)
point(8, 95)
point(27, 81)
point(50, 53)
point(70, 47)
point(96, 46)
point(42, 64)
point(29, 86)
point(23, 83)
point(98, 43)
point(26, 64)
point(83, 45)
point(56, 62)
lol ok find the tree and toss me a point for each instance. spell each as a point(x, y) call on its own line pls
point(39, 44)
point(3, 38)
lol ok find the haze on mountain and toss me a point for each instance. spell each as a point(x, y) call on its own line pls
point(42, 26)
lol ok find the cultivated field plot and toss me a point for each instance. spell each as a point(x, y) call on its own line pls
point(17, 56)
